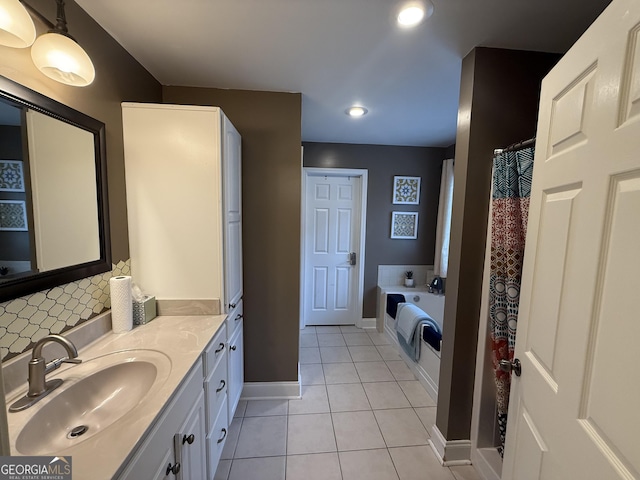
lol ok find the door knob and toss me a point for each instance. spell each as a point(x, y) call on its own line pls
point(515, 366)
point(352, 258)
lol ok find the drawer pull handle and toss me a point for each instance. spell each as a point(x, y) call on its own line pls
point(224, 435)
point(188, 439)
point(222, 384)
point(233, 347)
point(218, 350)
point(238, 317)
point(232, 305)
point(175, 469)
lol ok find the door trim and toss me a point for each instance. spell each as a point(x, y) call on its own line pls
point(335, 172)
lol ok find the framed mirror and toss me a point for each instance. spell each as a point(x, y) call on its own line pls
point(54, 216)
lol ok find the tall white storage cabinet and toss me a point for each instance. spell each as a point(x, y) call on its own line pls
point(183, 178)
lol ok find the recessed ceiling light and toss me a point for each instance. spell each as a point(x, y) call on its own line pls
point(356, 111)
point(412, 13)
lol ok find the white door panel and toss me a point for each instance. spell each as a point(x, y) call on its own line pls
point(573, 412)
point(331, 232)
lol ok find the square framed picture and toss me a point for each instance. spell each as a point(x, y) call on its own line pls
point(404, 225)
point(11, 176)
point(13, 216)
point(406, 190)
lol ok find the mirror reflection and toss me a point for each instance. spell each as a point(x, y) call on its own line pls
point(48, 194)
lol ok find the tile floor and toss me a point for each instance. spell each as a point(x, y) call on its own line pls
point(362, 416)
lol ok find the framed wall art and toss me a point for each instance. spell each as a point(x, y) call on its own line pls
point(404, 225)
point(11, 176)
point(13, 216)
point(406, 190)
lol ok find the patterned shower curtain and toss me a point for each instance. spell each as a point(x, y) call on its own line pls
point(513, 172)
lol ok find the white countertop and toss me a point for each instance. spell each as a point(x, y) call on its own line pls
point(181, 338)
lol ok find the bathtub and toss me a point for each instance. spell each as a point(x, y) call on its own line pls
point(427, 369)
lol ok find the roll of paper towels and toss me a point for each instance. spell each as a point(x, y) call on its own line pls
point(121, 304)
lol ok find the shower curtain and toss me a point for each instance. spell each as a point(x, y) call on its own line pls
point(513, 172)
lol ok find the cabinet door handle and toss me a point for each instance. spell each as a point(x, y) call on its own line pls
point(188, 439)
point(232, 305)
point(224, 435)
point(233, 347)
point(219, 349)
point(175, 469)
point(238, 317)
point(222, 384)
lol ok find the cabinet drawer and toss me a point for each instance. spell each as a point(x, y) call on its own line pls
point(215, 390)
point(216, 439)
point(215, 350)
point(234, 319)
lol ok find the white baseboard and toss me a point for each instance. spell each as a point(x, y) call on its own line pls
point(272, 390)
point(487, 462)
point(450, 452)
point(366, 323)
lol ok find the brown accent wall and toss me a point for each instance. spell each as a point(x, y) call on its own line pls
point(383, 162)
point(271, 138)
point(119, 77)
point(499, 96)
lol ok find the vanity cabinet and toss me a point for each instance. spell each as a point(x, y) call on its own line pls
point(235, 370)
point(183, 179)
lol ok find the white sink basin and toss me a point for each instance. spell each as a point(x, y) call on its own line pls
point(95, 395)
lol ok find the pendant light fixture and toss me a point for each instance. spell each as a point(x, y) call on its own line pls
point(59, 57)
point(16, 27)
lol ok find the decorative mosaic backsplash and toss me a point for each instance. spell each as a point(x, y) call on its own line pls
point(27, 319)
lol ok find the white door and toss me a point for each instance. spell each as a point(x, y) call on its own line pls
point(574, 412)
point(332, 291)
point(232, 188)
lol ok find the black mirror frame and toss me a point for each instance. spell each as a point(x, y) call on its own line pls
point(22, 96)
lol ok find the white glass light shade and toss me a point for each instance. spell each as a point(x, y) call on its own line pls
point(356, 111)
point(16, 27)
point(414, 12)
point(63, 60)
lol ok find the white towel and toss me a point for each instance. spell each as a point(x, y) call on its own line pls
point(408, 317)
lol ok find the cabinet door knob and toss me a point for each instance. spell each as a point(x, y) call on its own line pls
point(238, 317)
point(224, 435)
point(175, 469)
point(222, 384)
point(188, 439)
point(232, 305)
point(233, 347)
point(219, 349)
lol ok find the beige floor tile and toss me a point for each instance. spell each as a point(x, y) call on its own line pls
point(357, 431)
point(357, 339)
point(427, 416)
point(400, 371)
point(306, 330)
point(271, 468)
point(327, 329)
point(350, 329)
point(379, 338)
point(314, 400)
point(232, 439)
point(388, 352)
point(242, 406)
point(335, 354)
point(308, 340)
point(416, 394)
point(401, 427)
point(367, 465)
point(331, 340)
point(262, 437)
point(340, 373)
point(465, 472)
point(364, 353)
point(347, 398)
point(316, 466)
point(222, 473)
point(266, 408)
point(385, 395)
point(309, 355)
point(418, 463)
point(312, 374)
point(310, 434)
point(374, 372)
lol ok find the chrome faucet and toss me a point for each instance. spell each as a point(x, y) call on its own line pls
point(38, 369)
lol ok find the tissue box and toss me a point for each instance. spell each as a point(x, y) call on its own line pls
point(144, 311)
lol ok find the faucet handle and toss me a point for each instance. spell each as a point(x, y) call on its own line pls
point(71, 360)
point(54, 364)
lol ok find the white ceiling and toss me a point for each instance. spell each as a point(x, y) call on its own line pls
point(338, 52)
